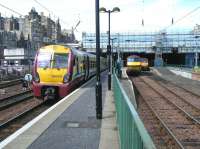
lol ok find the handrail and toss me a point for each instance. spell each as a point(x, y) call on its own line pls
point(132, 132)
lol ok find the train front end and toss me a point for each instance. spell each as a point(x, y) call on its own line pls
point(133, 64)
point(145, 64)
point(51, 72)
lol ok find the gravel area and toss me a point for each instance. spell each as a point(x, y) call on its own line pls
point(152, 124)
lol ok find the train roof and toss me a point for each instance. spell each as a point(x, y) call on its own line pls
point(79, 52)
point(65, 49)
point(144, 58)
point(55, 48)
point(133, 56)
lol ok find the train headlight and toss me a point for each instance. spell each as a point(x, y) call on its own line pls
point(37, 77)
point(66, 78)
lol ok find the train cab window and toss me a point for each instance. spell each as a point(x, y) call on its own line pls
point(135, 59)
point(60, 60)
point(43, 60)
point(74, 62)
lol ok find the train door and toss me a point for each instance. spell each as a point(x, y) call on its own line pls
point(77, 66)
point(84, 68)
point(88, 66)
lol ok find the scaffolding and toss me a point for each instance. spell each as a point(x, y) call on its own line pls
point(165, 42)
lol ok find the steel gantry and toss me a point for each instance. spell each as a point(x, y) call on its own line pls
point(184, 42)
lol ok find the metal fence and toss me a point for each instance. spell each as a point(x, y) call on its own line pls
point(132, 132)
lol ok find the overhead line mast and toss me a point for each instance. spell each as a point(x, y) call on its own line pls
point(11, 9)
point(181, 18)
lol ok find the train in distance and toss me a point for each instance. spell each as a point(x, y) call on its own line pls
point(136, 64)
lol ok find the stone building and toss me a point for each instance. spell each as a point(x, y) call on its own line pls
point(11, 24)
point(1, 22)
point(31, 31)
point(48, 29)
point(8, 39)
point(31, 28)
point(68, 36)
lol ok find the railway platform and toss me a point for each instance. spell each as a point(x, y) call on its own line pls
point(71, 123)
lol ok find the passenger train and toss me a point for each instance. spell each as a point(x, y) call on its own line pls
point(144, 64)
point(59, 69)
point(133, 64)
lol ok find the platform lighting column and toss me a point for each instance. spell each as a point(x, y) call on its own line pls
point(109, 53)
point(103, 10)
point(98, 82)
point(28, 46)
point(196, 53)
point(112, 56)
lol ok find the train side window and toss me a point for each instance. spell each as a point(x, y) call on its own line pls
point(77, 65)
point(74, 62)
point(90, 64)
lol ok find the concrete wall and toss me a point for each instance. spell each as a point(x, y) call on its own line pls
point(189, 59)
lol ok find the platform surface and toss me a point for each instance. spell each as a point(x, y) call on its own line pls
point(72, 124)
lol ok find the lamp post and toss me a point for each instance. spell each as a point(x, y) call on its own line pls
point(28, 46)
point(112, 60)
point(103, 10)
point(196, 52)
point(98, 82)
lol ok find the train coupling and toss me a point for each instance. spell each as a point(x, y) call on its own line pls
point(50, 93)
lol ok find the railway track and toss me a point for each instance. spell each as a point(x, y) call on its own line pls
point(161, 136)
point(167, 82)
point(18, 115)
point(177, 121)
point(5, 84)
point(14, 99)
point(15, 117)
point(186, 100)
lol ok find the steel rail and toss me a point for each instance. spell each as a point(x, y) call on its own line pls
point(179, 96)
point(187, 90)
point(14, 99)
point(173, 104)
point(9, 83)
point(178, 143)
point(18, 116)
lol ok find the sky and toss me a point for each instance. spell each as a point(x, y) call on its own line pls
point(157, 14)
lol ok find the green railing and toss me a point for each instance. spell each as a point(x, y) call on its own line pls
point(132, 132)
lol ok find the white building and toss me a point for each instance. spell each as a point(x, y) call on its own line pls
point(18, 55)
